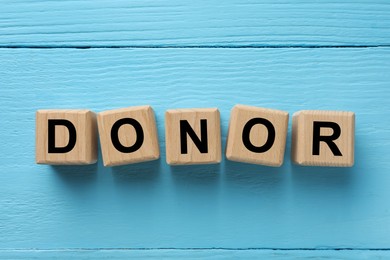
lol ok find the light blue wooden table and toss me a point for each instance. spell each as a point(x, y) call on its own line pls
point(101, 55)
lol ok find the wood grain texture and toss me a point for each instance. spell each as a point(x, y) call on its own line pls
point(259, 135)
point(194, 23)
point(209, 134)
point(85, 142)
point(302, 151)
point(193, 254)
point(128, 136)
point(232, 205)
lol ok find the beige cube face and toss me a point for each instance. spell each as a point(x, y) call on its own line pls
point(82, 123)
point(205, 124)
point(323, 138)
point(128, 135)
point(250, 135)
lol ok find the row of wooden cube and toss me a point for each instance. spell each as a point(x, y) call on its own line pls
point(193, 136)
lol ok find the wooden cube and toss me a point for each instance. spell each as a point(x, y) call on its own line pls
point(128, 135)
point(257, 135)
point(193, 136)
point(323, 138)
point(66, 137)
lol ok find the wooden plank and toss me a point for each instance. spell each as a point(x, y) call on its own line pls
point(192, 254)
point(194, 23)
point(231, 205)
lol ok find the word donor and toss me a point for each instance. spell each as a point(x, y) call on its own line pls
point(193, 136)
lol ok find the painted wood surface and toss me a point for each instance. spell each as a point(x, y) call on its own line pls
point(194, 54)
point(193, 254)
point(194, 23)
point(231, 205)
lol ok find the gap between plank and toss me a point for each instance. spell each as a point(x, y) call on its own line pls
point(249, 46)
point(197, 249)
